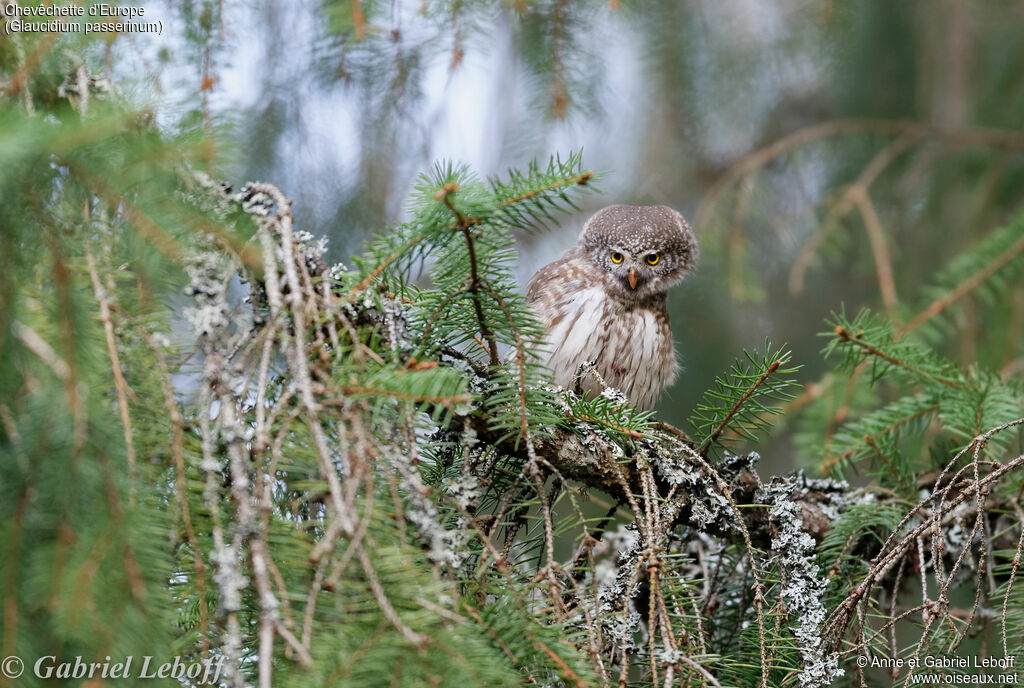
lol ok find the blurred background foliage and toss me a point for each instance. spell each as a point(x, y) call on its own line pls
point(862, 153)
point(827, 153)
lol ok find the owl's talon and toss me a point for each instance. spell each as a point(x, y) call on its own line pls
point(581, 370)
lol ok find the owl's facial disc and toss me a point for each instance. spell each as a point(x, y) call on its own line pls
point(643, 250)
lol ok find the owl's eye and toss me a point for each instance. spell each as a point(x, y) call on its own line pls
point(616, 257)
point(653, 258)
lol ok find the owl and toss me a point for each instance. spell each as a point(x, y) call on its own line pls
point(603, 301)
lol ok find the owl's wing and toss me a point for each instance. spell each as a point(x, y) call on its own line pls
point(552, 285)
point(543, 279)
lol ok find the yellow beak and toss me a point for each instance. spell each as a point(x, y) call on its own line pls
point(632, 278)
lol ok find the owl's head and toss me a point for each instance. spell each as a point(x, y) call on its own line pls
point(645, 248)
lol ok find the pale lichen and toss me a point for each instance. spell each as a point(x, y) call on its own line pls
point(803, 587)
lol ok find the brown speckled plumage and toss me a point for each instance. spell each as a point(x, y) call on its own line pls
point(592, 311)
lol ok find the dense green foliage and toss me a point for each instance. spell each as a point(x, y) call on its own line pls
point(216, 445)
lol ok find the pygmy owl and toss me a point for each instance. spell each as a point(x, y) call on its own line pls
point(603, 301)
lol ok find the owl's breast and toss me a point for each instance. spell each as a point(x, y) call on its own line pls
point(632, 348)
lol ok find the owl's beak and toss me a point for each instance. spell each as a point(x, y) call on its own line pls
point(632, 278)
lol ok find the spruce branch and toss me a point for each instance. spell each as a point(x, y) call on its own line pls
point(610, 410)
point(528, 199)
point(888, 420)
point(899, 478)
point(870, 339)
point(869, 349)
point(473, 282)
point(383, 265)
point(737, 407)
point(520, 359)
point(178, 454)
point(567, 672)
point(581, 179)
point(941, 502)
point(740, 400)
point(39, 347)
point(123, 390)
point(1000, 252)
point(356, 390)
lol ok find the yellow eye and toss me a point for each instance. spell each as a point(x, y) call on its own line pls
point(616, 257)
point(653, 258)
